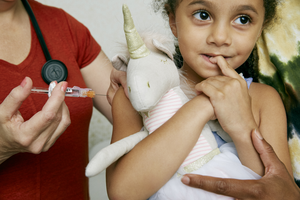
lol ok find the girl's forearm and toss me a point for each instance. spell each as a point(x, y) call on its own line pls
point(154, 160)
point(247, 153)
point(241, 136)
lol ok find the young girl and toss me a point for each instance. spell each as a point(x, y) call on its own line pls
point(214, 38)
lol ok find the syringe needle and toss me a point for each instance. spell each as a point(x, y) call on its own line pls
point(70, 92)
point(39, 90)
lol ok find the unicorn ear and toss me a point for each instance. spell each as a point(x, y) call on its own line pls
point(120, 62)
point(162, 48)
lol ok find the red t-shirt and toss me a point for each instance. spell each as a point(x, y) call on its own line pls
point(60, 172)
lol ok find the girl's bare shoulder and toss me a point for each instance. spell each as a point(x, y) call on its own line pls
point(264, 95)
point(262, 89)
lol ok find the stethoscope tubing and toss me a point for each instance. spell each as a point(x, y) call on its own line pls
point(37, 30)
point(52, 70)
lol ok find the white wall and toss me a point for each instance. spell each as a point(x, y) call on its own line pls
point(105, 21)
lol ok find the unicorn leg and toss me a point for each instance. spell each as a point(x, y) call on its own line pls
point(108, 155)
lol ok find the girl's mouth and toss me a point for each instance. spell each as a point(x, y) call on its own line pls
point(209, 56)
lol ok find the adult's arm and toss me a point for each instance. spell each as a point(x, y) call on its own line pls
point(38, 133)
point(276, 184)
point(103, 79)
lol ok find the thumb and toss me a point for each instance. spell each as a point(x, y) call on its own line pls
point(123, 81)
point(14, 100)
point(119, 78)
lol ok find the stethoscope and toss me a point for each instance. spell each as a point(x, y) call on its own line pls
point(53, 70)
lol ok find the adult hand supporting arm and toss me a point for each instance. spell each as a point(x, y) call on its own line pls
point(276, 184)
point(103, 79)
point(117, 78)
point(38, 133)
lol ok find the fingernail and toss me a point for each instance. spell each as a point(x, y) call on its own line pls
point(258, 134)
point(64, 86)
point(23, 83)
point(185, 180)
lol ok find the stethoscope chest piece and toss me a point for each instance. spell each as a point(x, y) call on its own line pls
point(54, 70)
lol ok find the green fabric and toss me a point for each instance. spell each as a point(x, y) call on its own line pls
point(279, 67)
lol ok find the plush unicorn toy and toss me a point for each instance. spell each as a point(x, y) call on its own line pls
point(154, 91)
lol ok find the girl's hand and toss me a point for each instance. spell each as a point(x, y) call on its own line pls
point(117, 78)
point(230, 99)
point(41, 131)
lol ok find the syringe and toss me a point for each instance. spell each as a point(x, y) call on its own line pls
point(70, 92)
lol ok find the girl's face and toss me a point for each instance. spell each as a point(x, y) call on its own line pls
point(209, 28)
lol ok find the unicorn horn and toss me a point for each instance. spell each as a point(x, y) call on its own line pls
point(136, 45)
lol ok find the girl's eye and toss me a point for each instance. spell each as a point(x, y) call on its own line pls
point(202, 15)
point(243, 20)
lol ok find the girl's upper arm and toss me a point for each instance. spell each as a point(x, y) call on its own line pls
point(126, 122)
point(273, 124)
point(126, 119)
point(97, 76)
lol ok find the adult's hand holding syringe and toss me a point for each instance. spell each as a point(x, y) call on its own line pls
point(70, 92)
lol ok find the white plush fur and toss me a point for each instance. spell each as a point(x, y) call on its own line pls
point(145, 98)
point(168, 42)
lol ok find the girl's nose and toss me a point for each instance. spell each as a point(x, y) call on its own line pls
point(219, 35)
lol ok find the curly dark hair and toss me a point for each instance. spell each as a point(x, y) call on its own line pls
point(250, 67)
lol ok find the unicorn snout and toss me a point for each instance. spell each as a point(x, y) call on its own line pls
point(148, 85)
point(139, 84)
